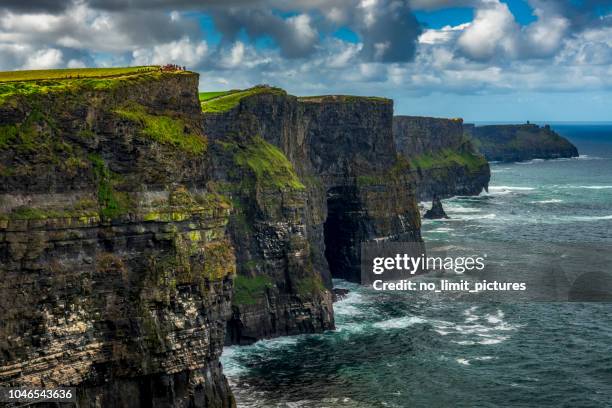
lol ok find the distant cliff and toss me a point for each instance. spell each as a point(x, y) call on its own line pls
point(520, 142)
point(445, 162)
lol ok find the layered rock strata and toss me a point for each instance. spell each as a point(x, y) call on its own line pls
point(116, 264)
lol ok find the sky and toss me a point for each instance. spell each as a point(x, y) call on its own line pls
point(483, 60)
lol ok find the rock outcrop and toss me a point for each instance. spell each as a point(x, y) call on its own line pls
point(292, 234)
point(116, 263)
point(437, 211)
point(445, 162)
point(508, 143)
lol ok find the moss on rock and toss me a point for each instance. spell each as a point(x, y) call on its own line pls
point(269, 165)
point(249, 290)
point(164, 129)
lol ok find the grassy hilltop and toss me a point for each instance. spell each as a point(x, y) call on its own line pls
point(36, 82)
point(72, 73)
point(214, 102)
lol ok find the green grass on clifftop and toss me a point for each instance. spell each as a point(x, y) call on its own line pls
point(40, 82)
point(204, 96)
point(225, 101)
point(74, 73)
point(164, 129)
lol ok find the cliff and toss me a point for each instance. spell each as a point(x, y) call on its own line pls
point(443, 160)
point(116, 264)
point(292, 234)
point(141, 229)
point(520, 142)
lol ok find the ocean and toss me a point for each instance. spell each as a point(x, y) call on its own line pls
point(407, 349)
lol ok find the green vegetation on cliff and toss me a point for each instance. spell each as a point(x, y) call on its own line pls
point(27, 136)
point(311, 285)
point(248, 290)
point(112, 203)
point(268, 163)
point(449, 157)
point(225, 101)
point(204, 96)
point(164, 129)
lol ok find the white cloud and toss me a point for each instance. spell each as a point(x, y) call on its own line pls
point(493, 30)
point(44, 59)
point(442, 35)
point(75, 63)
point(182, 52)
point(304, 32)
point(544, 37)
point(235, 56)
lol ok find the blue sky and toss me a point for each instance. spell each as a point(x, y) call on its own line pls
point(484, 60)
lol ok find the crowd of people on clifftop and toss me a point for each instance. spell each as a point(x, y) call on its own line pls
point(172, 67)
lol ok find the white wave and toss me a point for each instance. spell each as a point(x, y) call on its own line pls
point(551, 201)
point(399, 322)
point(596, 187)
point(495, 340)
point(496, 318)
point(450, 209)
point(463, 361)
point(350, 327)
point(593, 218)
point(586, 157)
point(473, 217)
point(441, 229)
point(484, 329)
point(589, 187)
point(532, 161)
point(231, 366)
point(469, 314)
point(349, 310)
point(511, 188)
point(501, 170)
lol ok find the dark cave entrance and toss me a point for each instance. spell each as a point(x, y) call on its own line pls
point(344, 230)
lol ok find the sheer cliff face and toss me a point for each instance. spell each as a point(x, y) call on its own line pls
point(520, 142)
point(369, 195)
point(115, 261)
point(444, 161)
point(345, 192)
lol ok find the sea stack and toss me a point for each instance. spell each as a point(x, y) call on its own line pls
point(436, 212)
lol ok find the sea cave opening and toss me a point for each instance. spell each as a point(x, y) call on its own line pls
point(344, 230)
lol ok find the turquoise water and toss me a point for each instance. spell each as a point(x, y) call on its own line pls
point(414, 349)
